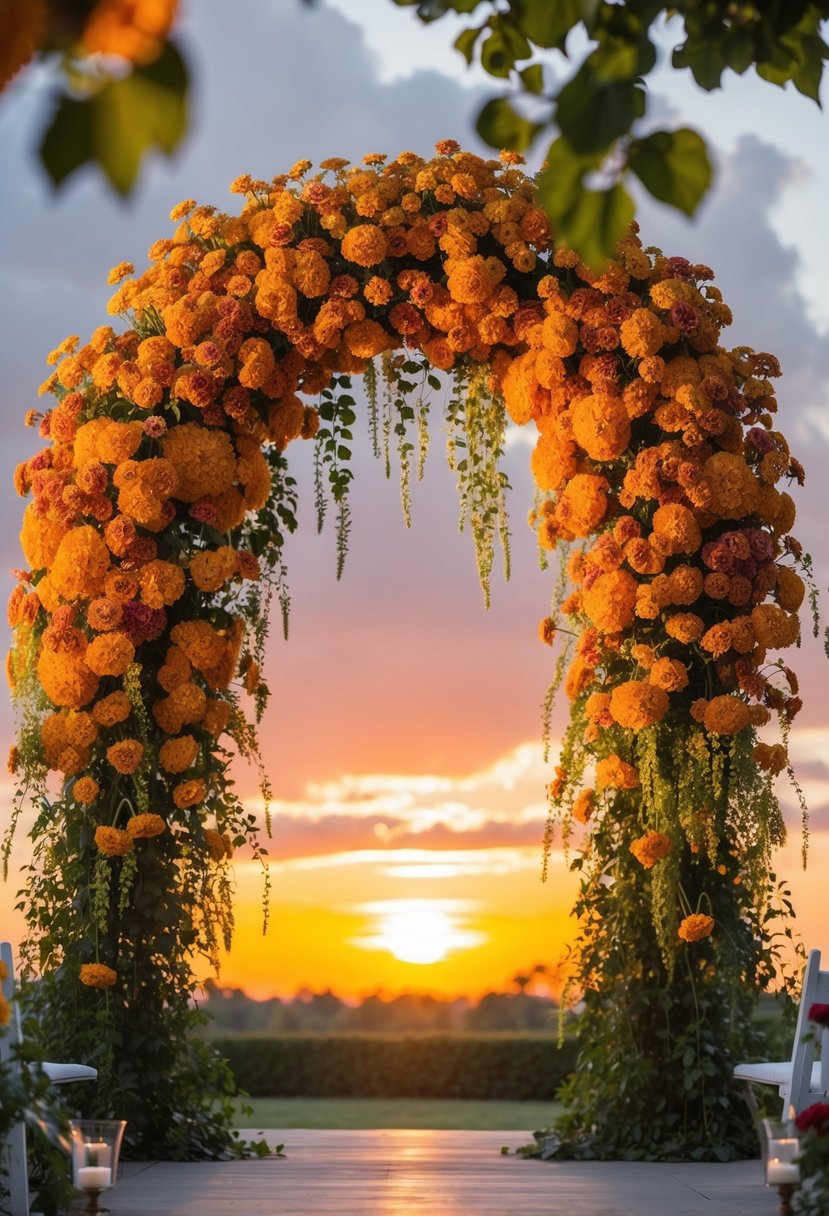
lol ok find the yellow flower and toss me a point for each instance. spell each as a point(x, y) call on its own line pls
point(695, 927)
point(97, 975)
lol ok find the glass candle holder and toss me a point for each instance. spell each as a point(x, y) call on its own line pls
point(782, 1149)
point(96, 1145)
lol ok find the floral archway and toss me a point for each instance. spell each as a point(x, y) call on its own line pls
point(154, 545)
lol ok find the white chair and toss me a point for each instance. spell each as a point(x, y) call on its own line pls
point(804, 1079)
point(59, 1074)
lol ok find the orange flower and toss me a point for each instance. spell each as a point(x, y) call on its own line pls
point(695, 927)
point(215, 844)
point(617, 773)
point(610, 601)
point(85, 790)
point(771, 757)
point(600, 426)
point(583, 504)
point(111, 710)
point(365, 245)
point(189, 793)
point(97, 975)
point(670, 674)
point(66, 679)
point(142, 827)
point(684, 626)
point(176, 755)
point(675, 529)
point(637, 704)
point(651, 848)
point(126, 756)
point(80, 563)
point(110, 654)
point(725, 715)
point(112, 841)
point(584, 806)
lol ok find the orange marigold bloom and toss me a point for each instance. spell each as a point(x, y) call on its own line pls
point(734, 489)
point(469, 281)
point(637, 704)
point(111, 710)
point(66, 678)
point(684, 626)
point(600, 426)
point(670, 674)
point(725, 715)
point(142, 827)
point(695, 927)
point(790, 589)
point(80, 563)
point(215, 844)
point(365, 245)
point(651, 848)
point(97, 975)
point(126, 756)
point(717, 639)
point(216, 717)
point(579, 676)
point(104, 614)
point(202, 645)
point(110, 654)
point(162, 583)
point(617, 773)
point(203, 459)
point(85, 790)
point(210, 569)
point(675, 529)
point(365, 339)
point(773, 627)
point(176, 755)
point(583, 504)
point(189, 793)
point(560, 334)
point(642, 333)
point(584, 806)
point(685, 584)
point(597, 709)
point(610, 601)
point(113, 842)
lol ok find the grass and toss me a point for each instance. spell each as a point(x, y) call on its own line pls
point(448, 1114)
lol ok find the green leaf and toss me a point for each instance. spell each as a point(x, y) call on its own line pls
point(589, 221)
point(807, 78)
point(120, 123)
point(673, 166)
point(592, 115)
point(501, 127)
point(533, 79)
point(622, 59)
point(502, 48)
point(547, 24)
point(738, 50)
point(465, 42)
point(705, 59)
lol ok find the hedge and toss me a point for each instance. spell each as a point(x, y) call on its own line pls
point(505, 1066)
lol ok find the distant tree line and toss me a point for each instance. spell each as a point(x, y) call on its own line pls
point(231, 1010)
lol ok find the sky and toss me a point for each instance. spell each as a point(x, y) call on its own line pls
point(403, 739)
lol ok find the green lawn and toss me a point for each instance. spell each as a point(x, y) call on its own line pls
point(447, 1114)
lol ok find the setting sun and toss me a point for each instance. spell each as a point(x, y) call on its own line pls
point(419, 931)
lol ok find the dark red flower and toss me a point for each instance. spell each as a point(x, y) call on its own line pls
point(814, 1117)
point(820, 1014)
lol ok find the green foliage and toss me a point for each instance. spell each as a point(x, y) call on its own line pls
point(332, 455)
point(117, 121)
point(487, 1067)
point(597, 109)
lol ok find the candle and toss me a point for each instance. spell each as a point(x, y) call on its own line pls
point(97, 1152)
point(778, 1172)
point(94, 1177)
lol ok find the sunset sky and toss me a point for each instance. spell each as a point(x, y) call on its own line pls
point(403, 736)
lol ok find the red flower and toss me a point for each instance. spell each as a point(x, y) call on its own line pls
point(816, 1117)
point(820, 1014)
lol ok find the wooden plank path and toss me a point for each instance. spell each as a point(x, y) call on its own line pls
point(392, 1172)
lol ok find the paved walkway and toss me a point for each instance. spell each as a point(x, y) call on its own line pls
point(432, 1173)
